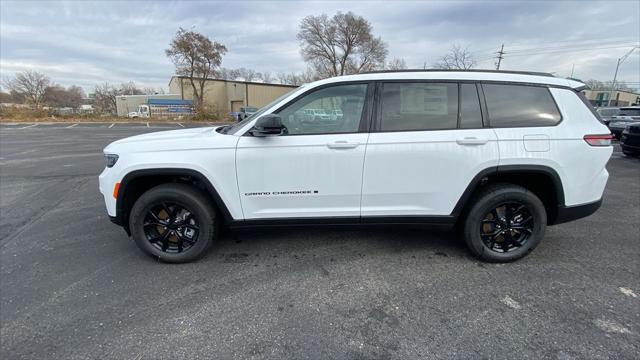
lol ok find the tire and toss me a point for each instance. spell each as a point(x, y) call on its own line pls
point(491, 206)
point(196, 219)
point(630, 153)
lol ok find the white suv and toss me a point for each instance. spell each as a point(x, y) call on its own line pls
point(499, 155)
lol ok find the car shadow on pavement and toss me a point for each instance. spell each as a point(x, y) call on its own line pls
point(338, 241)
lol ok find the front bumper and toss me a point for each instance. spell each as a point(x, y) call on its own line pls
point(630, 142)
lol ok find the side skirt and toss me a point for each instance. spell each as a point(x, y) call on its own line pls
point(344, 221)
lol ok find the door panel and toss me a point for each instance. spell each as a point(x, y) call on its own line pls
point(423, 172)
point(315, 168)
point(300, 176)
point(419, 162)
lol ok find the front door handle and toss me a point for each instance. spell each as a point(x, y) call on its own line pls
point(472, 141)
point(343, 145)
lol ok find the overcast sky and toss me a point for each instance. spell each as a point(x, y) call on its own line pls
point(85, 43)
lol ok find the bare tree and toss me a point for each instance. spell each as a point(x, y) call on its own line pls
point(396, 64)
point(297, 79)
point(130, 88)
point(342, 44)
point(457, 58)
point(31, 85)
point(226, 74)
point(196, 57)
point(5, 98)
point(105, 98)
point(17, 97)
point(606, 85)
point(247, 74)
point(152, 91)
point(54, 96)
point(282, 78)
point(267, 77)
point(74, 97)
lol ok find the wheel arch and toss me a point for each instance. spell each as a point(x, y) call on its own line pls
point(542, 180)
point(136, 182)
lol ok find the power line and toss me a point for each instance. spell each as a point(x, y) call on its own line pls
point(575, 43)
point(626, 43)
point(560, 51)
point(557, 51)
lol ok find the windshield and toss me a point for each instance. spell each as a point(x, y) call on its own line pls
point(234, 128)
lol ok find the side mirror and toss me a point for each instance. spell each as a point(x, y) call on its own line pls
point(268, 125)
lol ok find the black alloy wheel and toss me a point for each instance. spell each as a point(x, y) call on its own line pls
point(507, 227)
point(504, 222)
point(171, 227)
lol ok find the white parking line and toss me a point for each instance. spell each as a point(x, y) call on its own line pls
point(70, 126)
point(147, 124)
point(110, 126)
point(180, 124)
point(29, 126)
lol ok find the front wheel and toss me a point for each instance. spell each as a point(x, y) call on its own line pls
point(505, 223)
point(173, 222)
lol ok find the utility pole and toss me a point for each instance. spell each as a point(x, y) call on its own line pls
point(500, 57)
point(573, 66)
point(615, 76)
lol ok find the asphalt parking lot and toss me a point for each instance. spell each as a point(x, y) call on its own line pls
point(73, 286)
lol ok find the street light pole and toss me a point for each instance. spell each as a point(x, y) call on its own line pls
point(615, 76)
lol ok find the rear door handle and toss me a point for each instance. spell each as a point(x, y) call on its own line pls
point(472, 141)
point(343, 145)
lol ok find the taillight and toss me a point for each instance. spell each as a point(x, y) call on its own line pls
point(598, 140)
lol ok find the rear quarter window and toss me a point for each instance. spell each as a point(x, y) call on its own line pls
point(520, 106)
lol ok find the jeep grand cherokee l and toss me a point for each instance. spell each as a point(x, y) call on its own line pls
point(499, 155)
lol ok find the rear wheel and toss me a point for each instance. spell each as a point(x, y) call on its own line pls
point(173, 222)
point(505, 223)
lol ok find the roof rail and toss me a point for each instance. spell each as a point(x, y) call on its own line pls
point(462, 70)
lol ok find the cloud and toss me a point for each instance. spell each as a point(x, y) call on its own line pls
point(87, 43)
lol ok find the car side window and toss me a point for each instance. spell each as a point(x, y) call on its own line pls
point(418, 106)
point(470, 112)
point(520, 105)
point(334, 109)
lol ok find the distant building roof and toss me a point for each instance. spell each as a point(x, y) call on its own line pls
point(235, 81)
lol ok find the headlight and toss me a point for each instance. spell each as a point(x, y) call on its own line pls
point(111, 159)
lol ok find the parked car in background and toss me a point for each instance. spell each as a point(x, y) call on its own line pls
point(626, 116)
point(630, 140)
point(244, 112)
point(607, 113)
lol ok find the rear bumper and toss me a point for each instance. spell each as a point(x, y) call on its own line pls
point(570, 213)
